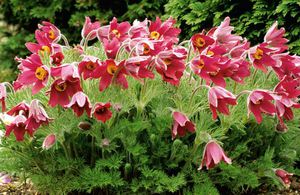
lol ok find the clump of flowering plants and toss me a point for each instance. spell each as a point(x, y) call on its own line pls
point(139, 112)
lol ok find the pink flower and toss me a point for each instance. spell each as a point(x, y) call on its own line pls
point(49, 141)
point(274, 38)
point(181, 124)
point(37, 116)
point(34, 73)
point(170, 65)
point(260, 57)
point(138, 29)
point(240, 69)
point(260, 101)
point(20, 109)
point(201, 41)
point(90, 27)
point(120, 31)
point(164, 30)
point(111, 47)
point(107, 72)
point(240, 50)
point(3, 95)
point(102, 111)
point(52, 32)
point(88, 66)
point(66, 71)
point(138, 67)
point(286, 65)
point(284, 177)
point(4, 179)
point(57, 58)
point(219, 99)
point(61, 90)
point(213, 154)
point(79, 103)
point(18, 126)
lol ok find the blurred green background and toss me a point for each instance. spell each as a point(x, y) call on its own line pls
point(251, 18)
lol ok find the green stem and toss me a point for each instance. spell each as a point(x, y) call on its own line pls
point(194, 92)
point(92, 150)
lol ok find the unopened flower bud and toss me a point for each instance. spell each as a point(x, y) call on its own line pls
point(105, 142)
point(84, 125)
point(49, 141)
point(117, 107)
point(281, 128)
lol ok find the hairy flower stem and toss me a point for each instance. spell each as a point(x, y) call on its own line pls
point(65, 40)
point(194, 92)
point(254, 75)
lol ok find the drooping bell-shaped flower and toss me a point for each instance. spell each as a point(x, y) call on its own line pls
point(88, 66)
point(37, 115)
point(213, 154)
point(181, 124)
point(79, 103)
point(21, 109)
point(18, 127)
point(138, 67)
point(102, 111)
point(90, 29)
point(274, 38)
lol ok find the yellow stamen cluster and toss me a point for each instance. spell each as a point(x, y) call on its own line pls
point(154, 35)
point(41, 73)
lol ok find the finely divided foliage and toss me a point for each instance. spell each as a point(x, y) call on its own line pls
point(134, 111)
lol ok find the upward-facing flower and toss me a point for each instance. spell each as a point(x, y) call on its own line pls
point(34, 73)
point(90, 28)
point(79, 103)
point(260, 101)
point(18, 126)
point(274, 38)
point(52, 32)
point(181, 124)
point(109, 70)
point(284, 177)
point(37, 116)
point(213, 154)
point(3, 95)
point(102, 111)
point(118, 30)
point(219, 99)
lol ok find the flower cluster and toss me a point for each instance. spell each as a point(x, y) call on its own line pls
point(151, 49)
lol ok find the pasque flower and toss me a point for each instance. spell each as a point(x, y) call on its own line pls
point(87, 66)
point(57, 58)
point(274, 38)
point(284, 177)
point(20, 109)
point(201, 41)
point(111, 47)
point(286, 65)
point(52, 32)
point(213, 154)
point(90, 28)
point(102, 111)
point(18, 127)
point(3, 95)
point(181, 124)
point(49, 141)
point(138, 67)
point(260, 57)
point(37, 115)
point(110, 70)
point(219, 99)
point(260, 101)
point(79, 103)
point(34, 73)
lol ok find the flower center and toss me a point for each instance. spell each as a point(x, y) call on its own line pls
point(51, 34)
point(167, 61)
point(258, 54)
point(61, 87)
point(200, 42)
point(210, 53)
point(45, 49)
point(111, 68)
point(146, 49)
point(41, 73)
point(258, 102)
point(213, 73)
point(90, 65)
point(100, 110)
point(116, 33)
point(201, 64)
point(154, 35)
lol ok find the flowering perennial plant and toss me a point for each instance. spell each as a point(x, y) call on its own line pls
point(115, 100)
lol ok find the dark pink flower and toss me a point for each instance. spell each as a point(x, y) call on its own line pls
point(61, 91)
point(90, 27)
point(181, 124)
point(102, 111)
point(79, 103)
point(106, 72)
point(201, 41)
point(284, 177)
point(260, 57)
point(118, 30)
point(274, 38)
point(34, 73)
point(240, 69)
point(213, 154)
point(49, 141)
point(88, 66)
point(164, 30)
point(66, 71)
point(20, 109)
point(37, 116)
point(219, 99)
point(260, 101)
point(18, 127)
point(57, 58)
point(138, 29)
point(111, 47)
point(240, 50)
point(286, 65)
point(138, 67)
point(3, 95)
point(52, 32)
